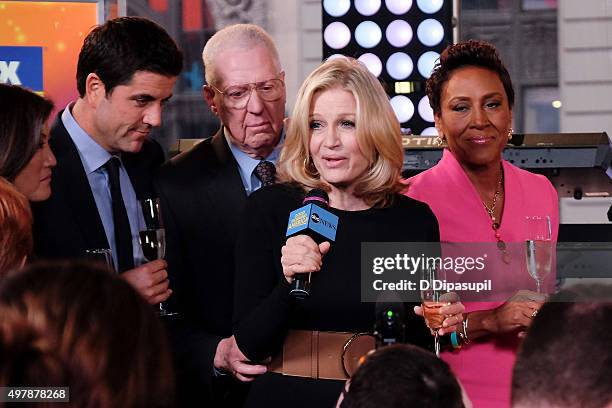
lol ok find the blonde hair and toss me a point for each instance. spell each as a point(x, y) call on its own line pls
point(16, 228)
point(378, 132)
point(241, 36)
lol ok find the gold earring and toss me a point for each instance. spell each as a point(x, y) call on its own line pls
point(440, 140)
point(510, 131)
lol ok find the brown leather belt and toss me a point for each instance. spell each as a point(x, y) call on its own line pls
point(319, 354)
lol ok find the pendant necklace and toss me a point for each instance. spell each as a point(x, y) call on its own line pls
point(501, 245)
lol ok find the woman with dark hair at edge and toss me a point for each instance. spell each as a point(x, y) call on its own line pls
point(26, 159)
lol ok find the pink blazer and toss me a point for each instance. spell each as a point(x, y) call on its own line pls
point(485, 369)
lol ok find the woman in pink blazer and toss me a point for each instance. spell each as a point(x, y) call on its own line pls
point(479, 197)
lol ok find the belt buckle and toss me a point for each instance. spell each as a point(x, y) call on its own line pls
point(355, 348)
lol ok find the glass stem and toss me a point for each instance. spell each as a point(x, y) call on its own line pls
point(437, 343)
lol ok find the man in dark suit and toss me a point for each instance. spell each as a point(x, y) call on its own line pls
point(203, 193)
point(126, 71)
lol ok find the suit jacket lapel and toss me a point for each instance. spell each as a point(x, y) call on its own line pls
point(74, 184)
point(226, 181)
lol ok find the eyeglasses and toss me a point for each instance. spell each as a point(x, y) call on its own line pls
point(237, 96)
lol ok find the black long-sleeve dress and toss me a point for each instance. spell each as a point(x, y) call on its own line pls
point(264, 311)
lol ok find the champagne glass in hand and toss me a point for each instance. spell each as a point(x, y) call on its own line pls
point(539, 248)
point(432, 301)
point(153, 238)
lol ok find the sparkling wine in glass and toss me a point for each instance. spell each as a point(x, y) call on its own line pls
point(153, 238)
point(539, 248)
point(153, 243)
point(431, 297)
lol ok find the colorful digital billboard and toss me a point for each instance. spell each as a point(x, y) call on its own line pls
point(40, 43)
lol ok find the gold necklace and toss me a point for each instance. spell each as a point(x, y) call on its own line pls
point(501, 245)
point(491, 210)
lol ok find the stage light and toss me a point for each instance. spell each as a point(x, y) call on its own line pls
point(430, 131)
point(430, 32)
point(398, 7)
point(399, 66)
point(403, 108)
point(367, 7)
point(399, 33)
point(336, 8)
point(372, 62)
point(425, 110)
point(426, 63)
point(399, 41)
point(430, 6)
point(334, 56)
point(337, 35)
point(368, 34)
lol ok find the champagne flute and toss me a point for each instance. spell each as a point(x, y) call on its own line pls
point(153, 238)
point(539, 249)
point(431, 297)
point(102, 256)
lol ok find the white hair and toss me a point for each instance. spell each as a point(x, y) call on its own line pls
point(240, 36)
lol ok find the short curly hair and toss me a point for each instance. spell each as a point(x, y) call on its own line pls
point(466, 53)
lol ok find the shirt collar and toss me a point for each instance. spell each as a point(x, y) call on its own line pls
point(246, 163)
point(92, 154)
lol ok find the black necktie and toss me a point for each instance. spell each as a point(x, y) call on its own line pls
point(266, 172)
point(123, 233)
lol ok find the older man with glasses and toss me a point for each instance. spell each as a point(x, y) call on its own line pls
point(203, 192)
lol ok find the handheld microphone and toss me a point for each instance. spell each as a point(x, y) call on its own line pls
point(314, 220)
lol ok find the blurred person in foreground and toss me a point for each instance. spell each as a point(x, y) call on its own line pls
point(204, 192)
point(344, 138)
point(26, 160)
point(126, 71)
point(402, 375)
point(77, 326)
point(566, 358)
point(15, 228)
point(479, 197)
